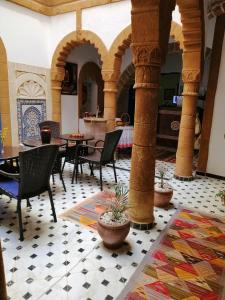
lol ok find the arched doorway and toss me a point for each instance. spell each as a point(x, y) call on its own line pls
point(60, 57)
point(90, 89)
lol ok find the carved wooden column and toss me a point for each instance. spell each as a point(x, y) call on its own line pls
point(110, 96)
point(3, 293)
point(57, 77)
point(191, 20)
point(146, 59)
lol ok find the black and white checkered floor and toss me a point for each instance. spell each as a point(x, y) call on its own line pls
point(68, 261)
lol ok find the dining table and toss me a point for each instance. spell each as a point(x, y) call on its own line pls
point(68, 137)
point(37, 142)
point(11, 152)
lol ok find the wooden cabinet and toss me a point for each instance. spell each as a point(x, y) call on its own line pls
point(168, 126)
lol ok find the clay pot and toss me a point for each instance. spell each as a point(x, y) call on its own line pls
point(113, 236)
point(162, 197)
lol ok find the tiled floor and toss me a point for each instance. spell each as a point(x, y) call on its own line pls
point(68, 261)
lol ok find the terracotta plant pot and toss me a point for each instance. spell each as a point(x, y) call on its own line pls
point(162, 197)
point(113, 236)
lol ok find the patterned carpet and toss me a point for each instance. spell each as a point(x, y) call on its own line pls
point(187, 262)
point(87, 211)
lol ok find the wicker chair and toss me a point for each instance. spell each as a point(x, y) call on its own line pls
point(99, 156)
point(55, 133)
point(35, 170)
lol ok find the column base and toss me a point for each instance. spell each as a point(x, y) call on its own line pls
point(141, 226)
point(184, 178)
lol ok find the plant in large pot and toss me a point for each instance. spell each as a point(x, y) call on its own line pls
point(114, 225)
point(163, 191)
point(221, 195)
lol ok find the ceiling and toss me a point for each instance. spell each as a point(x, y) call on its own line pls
point(52, 3)
point(55, 7)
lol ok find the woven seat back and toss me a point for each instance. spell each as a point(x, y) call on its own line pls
point(54, 127)
point(111, 140)
point(35, 169)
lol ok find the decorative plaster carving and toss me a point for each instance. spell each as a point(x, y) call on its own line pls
point(146, 55)
point(109, 75)
point(191, 75)
point(175, 125)
point(31, 89)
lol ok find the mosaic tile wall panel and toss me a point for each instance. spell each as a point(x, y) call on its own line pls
point(30, 112)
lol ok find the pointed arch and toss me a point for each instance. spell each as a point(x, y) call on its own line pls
point(4, 93)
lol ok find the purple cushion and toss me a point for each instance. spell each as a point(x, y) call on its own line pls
point(11, 186)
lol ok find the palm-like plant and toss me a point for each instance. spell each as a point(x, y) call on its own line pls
point(118, 202)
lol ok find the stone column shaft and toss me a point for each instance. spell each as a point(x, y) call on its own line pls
point(146, 59)
point(110, 98)
point(185, 149)
point(57, 77)
point(110, 94)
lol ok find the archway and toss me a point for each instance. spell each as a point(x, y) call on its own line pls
point(70, 41)
point(4, 94)
point(90, 72)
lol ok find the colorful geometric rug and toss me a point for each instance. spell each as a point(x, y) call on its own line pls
point(87, 211)
point(187, 262)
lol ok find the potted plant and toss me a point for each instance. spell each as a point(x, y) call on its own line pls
point(114, 225)
point(221, 195)
point(163, 191)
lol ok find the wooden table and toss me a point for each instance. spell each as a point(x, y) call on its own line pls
point(11, 152)
point(36, 143)
point(69, 138)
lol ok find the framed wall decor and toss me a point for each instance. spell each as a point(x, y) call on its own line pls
point(69, 84)
point(30, 112)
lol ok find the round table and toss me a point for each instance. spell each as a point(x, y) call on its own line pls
point(11, 152)
point(36, 143)
point(69, 138)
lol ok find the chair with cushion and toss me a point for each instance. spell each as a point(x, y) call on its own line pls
point(36, 167)
point(99, 156)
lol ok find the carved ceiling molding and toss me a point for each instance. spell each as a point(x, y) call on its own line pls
point(56, 7)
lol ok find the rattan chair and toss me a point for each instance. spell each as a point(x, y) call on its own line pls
point(35, 169)
point(99, 156)
point(55, 133)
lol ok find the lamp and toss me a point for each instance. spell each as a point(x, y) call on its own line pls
point(45, 135)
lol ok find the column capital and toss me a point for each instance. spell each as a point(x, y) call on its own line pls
point(110, 75)
point(189, 76)
point(57, 74)
point(146, 54)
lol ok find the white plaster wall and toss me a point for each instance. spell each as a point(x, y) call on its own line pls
point(176, 15)
point(79, 55)
point(59, 27)
point(102, 19)
point(216, 158)
point(31, 38)
point(24, 34)
point(69, 113)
